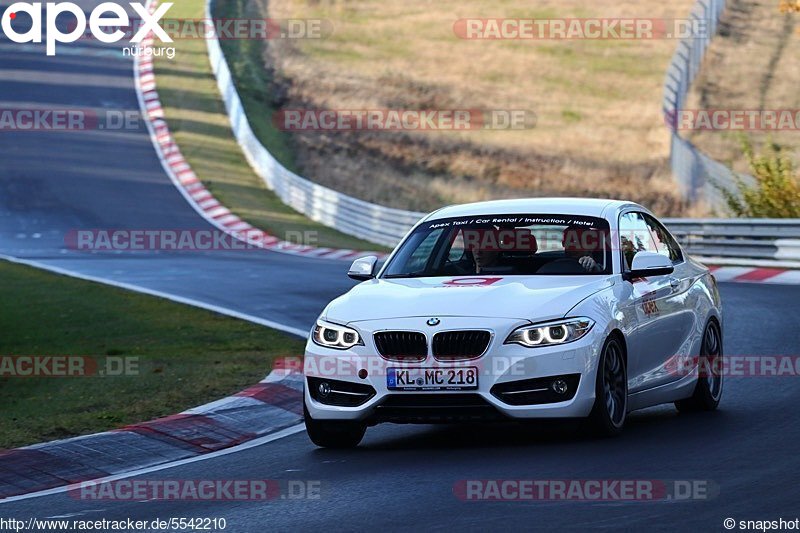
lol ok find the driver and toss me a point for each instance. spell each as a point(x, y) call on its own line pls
point(484, 244)
point(580, 242)
point(485, 259)
point(486, 247)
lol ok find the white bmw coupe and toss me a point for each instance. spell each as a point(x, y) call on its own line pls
point(517, 309)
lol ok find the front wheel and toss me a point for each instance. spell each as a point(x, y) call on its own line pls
point(333, 433)
point(611, 391)
point(708, 390)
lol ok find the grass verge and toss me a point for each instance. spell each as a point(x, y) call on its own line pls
point(186, 356)
point(198, 121)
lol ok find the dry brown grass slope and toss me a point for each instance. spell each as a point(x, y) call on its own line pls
point(599, 130)
point(753, 64)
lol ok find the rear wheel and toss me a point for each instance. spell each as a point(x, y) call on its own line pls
point(708, 390)
point(611, 391)
point(334, 433)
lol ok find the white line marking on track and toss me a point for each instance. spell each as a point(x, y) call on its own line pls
point(152, 292)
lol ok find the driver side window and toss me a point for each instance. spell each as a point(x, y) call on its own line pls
point(634, 236)
point(665, 243)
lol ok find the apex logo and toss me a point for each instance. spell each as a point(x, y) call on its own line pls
point(107, 15)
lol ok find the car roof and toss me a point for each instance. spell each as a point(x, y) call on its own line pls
point(595, 207)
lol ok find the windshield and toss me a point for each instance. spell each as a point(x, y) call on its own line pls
point(508, 245)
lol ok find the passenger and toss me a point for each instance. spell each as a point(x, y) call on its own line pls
point(580, 243)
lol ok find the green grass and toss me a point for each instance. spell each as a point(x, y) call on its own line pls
point(571, 115)
point(197, 119)
point(186, 356)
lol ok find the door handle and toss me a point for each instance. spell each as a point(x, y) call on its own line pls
point(675, 283)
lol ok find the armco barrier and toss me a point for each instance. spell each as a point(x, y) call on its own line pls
point(756, 239)
point(371, 222)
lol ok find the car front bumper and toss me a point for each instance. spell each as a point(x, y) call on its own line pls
point(361, 375)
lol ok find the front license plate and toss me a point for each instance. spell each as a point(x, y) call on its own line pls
point(464, 378)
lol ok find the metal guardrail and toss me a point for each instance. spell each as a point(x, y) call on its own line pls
point(695, 172)
point(371, 222)
point(757, 239)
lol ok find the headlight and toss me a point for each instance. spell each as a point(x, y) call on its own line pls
point(335, 336)
point(550, 333)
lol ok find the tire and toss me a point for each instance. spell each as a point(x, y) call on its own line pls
point(708, 391)
point(333, 433)
point(611, 391)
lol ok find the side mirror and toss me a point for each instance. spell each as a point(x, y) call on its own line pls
point(363, 268)
point(649, 264)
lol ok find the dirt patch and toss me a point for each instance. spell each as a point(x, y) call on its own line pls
point(753, 64)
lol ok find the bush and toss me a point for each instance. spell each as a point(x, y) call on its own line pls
point(789, 6)
point(776, 190)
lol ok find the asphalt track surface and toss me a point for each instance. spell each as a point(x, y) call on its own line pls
point(402, 476)
point(52, 183)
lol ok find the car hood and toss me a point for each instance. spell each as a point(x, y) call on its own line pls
point(517, 297)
